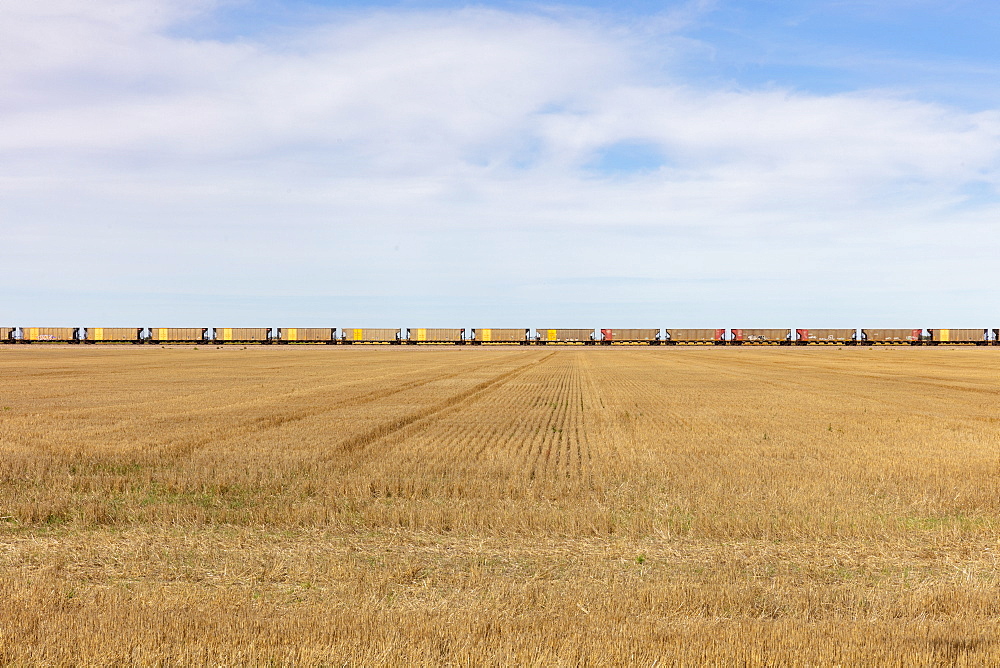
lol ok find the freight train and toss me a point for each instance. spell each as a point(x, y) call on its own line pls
point(516, 336)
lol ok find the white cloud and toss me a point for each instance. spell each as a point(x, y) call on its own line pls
point(124, 142)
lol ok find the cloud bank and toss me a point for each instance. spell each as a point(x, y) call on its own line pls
point(468, 164)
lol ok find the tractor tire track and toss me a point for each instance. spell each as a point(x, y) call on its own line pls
point(270, 422)
point(371, 436)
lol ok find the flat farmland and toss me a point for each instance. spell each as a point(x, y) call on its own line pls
point(540, 506)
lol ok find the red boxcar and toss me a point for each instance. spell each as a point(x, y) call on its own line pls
point(647, 336)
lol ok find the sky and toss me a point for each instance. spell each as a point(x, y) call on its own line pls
point(743, 163)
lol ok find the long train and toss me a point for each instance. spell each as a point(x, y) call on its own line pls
point(524, 337)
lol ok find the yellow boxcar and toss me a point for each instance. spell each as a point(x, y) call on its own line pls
point(977, 336)
point(369, 335)
point(502, 335)
point(50, 334)
point(416, 335)
point(578, 336)
point(306, 335)
point(242, 334)
point(112, 334)
point(177, 334)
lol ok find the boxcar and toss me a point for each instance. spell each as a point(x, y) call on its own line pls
point(898, 336)
point(499, 336)
point(423, 335)
point(112, 334)
point(242, 335)
point(969, 336)
point(306, 335)
point(695, 336)
point(50, 334)
point(577, 336)
point(177, 334)
point(369, 335)
point(842, 336)
point(610, 337)
point(7, 334)
point(761, 336)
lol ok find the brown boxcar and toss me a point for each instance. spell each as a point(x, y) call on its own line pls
point(612, 336)
point(713, 336)
point(7, 334)
point(844, 336)
point(910, 336)
point(177, 334)
point(424, 335)
point(242, 335)
point(977, 336)
point(761, 336)
point(306, 335)
point(369, 335)
point(112, 334)
point(585, 336)
point(519, 336)
point(52, 334)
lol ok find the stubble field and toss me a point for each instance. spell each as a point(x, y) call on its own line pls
point(470, 506)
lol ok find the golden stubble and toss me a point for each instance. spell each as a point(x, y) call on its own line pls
point(554, 505)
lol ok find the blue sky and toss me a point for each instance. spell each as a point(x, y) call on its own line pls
point(736, 164)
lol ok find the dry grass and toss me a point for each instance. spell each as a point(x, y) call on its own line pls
point(379, 505)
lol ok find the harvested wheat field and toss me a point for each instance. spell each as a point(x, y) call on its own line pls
point(470, 506)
